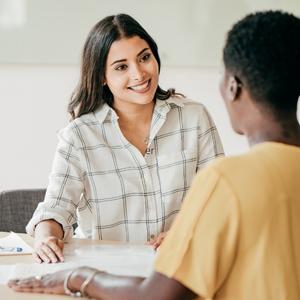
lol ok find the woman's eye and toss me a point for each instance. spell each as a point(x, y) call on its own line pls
point(121, 68)
point(145, 57)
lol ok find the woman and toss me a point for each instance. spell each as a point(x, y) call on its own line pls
point(126, 161)
point(237, 235)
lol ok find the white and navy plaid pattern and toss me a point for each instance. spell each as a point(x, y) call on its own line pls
point(114, 192)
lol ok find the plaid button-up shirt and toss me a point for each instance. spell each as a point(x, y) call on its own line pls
point(112, 191)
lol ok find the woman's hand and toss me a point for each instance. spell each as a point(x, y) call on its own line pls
point(54, 283)
point(48, 284)
point(49, 250)
point(156, 242)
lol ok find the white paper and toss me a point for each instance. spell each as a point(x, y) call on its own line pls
point(14, 240)
point(130, 260)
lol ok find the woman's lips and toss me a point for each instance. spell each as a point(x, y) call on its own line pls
point(142, 87)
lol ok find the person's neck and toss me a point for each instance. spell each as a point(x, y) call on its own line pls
point(266, 129)
point(133, 115)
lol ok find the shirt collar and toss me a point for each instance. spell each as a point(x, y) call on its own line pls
point(105, 112)
point(162, 107)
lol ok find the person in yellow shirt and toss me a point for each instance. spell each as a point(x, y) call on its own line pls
point(239, 237)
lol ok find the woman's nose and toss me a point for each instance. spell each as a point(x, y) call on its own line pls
point(138, 74)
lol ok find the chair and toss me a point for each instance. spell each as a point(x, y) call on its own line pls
point(17, 207)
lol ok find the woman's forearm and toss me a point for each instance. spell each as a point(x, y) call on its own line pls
point(106, 286)
point(48, 228)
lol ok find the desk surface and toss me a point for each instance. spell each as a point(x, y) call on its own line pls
point(7, 293)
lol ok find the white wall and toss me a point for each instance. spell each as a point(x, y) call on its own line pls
point(33, 107)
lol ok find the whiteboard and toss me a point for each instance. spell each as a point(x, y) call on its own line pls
point(188, 32)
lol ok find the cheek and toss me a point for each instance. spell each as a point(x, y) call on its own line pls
point(153, 70)
point(115, 83)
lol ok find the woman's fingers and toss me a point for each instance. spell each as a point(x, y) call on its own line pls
point(57, 248)
point(49, 283)
point(25, 285)
point(43, 255)
point(49, 250)
point(157, 242)
point(36, 257)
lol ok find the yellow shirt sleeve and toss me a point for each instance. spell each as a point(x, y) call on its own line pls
point(200, 247)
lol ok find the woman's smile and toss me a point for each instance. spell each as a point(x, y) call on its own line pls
point(141, 87)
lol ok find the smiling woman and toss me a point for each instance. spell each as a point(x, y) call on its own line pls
point(125, 162)
point(131, 71)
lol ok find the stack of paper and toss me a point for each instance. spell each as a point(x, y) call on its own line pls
point(14, 245)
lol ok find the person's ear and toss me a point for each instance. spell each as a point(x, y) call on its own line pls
point(234, 88)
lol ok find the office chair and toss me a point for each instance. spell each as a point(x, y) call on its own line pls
point(17, 207)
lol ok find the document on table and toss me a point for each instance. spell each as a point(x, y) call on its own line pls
point(14, 245)
point(131, 260)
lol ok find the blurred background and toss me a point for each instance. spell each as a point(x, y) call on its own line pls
point(40, 48)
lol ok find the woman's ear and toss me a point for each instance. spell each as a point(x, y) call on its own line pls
point(234, 88)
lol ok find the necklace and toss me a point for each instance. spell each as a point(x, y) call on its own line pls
point(129, 133)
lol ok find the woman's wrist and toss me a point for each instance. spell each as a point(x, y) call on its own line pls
point(46, 228)
point(77, 278)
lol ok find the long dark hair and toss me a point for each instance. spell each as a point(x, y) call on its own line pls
point(90, 93)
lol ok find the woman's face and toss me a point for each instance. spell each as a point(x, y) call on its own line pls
point(131, 72)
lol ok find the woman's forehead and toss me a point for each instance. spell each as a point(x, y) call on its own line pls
point(125, 47)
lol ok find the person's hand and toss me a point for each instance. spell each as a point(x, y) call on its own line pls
point(156, 242)
point(49, 250)
point(48, 284)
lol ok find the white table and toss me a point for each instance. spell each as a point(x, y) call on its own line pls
point(79, 244)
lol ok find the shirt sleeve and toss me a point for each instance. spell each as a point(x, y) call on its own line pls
point(200, 248)
point(209, 142)
point(64, 189)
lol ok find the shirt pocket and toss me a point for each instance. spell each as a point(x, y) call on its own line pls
point(176, 172)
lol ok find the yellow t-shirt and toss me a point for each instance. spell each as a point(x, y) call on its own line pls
point(237, 235)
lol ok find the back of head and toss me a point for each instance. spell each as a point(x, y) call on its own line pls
point(263, 51)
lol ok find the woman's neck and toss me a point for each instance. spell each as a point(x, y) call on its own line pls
point(133, 115)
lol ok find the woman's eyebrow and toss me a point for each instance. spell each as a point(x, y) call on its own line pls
point(117, 61)
point(124, 59)
point(142, 51)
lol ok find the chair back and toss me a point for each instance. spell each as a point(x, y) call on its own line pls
point(17, 207)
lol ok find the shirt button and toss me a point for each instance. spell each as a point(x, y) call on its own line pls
point(152, 236)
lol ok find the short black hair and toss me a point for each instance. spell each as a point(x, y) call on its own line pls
point(263, 51)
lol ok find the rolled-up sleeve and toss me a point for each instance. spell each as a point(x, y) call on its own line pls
point(65, 186)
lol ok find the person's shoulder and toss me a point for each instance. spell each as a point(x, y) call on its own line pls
point(75, 126)
point(185, 103)
point(84, 120)
point(241, 165)
point(188, 106)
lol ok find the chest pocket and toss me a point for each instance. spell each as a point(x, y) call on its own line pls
point(176, 172)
